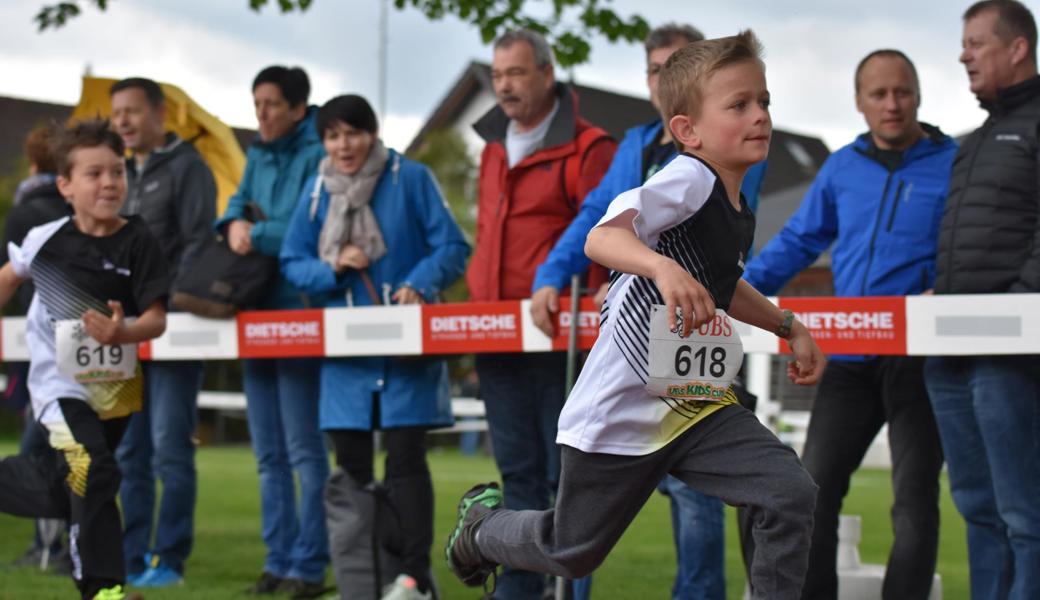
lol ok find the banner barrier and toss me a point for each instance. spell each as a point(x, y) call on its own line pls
point(882, 325)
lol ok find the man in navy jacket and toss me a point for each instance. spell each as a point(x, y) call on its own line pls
point(697, 519)
point(879, 201)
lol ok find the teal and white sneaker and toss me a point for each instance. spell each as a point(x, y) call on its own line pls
point(464, 559)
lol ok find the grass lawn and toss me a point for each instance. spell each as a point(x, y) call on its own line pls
point(228, 551)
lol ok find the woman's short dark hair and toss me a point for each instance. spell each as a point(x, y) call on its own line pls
point(350, 109)
point(292, 81)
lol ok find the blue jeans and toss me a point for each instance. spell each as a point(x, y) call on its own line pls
point(988, 412)
point(158, 444)
point(523, 396)
point(700, 542)
point(282, 408)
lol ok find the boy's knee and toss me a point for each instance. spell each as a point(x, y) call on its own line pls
point(580, 564)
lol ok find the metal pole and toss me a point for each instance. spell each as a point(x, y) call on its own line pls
point(563, 586)
point(384, 40)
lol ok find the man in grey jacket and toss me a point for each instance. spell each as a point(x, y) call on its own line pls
point(173, 190)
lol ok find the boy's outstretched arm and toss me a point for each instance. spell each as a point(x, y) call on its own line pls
point(9, 283)
point(755, 309)
point(115, 330)
point(614, 245)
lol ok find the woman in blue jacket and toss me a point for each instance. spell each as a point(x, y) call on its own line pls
point(282, 408)
point(372, 228)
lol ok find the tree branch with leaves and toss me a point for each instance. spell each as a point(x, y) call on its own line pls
point(568, 27)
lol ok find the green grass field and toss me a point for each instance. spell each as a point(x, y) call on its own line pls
point(228, 551)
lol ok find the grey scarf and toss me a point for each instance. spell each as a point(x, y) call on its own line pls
point(350, 219)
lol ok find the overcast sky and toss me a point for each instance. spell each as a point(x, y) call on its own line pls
point(213, 48)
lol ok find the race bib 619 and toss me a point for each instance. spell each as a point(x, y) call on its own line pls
point(86, 360)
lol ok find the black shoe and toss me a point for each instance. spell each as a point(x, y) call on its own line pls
point(464, 559)
point(299, 589)
point(268, 584)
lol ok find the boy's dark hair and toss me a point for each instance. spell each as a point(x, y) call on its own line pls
point(39, 147)
point(352, 110)
point(151, 90)
point(292, 81)
point(888, 53)
point(85, 134)
point(688, 69)
point(1013, 20)
point(671, 33)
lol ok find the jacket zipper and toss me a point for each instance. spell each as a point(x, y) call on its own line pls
point(873, 235)
point(895, 204)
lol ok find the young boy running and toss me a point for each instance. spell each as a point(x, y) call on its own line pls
point(654, 396)
point(93, 271)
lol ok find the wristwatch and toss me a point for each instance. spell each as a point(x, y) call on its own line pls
point(784, 329)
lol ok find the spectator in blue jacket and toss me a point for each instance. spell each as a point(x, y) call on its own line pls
point(878, 200)
point(373, 228)
point(282, 393)
point(697, 520)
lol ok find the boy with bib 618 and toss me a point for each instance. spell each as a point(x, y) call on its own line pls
point(654, 396)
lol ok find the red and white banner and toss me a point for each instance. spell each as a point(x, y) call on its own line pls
point(918, 325)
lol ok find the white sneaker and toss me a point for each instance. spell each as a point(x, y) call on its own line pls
point(405, 588)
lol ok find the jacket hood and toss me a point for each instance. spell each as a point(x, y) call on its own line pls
point(1010, 98)
point(493, 125)
point(305, 132)
point(934, 141)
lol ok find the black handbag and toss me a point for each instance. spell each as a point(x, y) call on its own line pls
point(221, 282)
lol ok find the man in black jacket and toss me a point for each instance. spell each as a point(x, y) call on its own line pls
point(173, 190)
point(988, 407)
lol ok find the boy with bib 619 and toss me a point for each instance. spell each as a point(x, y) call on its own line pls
point(101, 286)
point(654, 397)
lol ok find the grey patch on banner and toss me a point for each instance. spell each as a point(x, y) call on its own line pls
point(375, 331)
point(994, 326)
point(194, 338)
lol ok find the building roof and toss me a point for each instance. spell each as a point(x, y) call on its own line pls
point(793, 158)
point(19, 116)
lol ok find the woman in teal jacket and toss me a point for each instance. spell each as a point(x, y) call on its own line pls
point(392, 241)
point(281, 393)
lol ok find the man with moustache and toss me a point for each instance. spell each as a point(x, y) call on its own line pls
point(988, 407)
point(173, 190)
point(878, 200)
point(540, 161)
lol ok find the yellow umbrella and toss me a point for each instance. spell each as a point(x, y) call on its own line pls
point(212, 138)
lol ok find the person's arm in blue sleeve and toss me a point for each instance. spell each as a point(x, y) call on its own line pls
point(299, 255)
point(804, 237)
point(267, 236)
point(236, 206)
point(568, 254)
point(447, 246)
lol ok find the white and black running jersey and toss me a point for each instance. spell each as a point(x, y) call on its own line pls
point(683, 212)
point(74, 272)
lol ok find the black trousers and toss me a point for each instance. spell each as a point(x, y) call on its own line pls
point(409, 484)
point(79, 483)
point(853, 401)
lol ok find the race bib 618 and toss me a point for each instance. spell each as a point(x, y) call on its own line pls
point(700, 366)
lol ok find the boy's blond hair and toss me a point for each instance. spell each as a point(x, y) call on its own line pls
point(687, 69)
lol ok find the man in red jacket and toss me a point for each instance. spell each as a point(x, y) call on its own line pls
point(540, 160)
